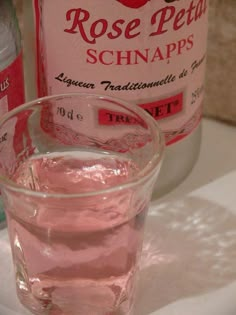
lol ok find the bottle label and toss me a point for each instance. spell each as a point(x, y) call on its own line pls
point(12, 136)
point(12, 86)
point(84, 126)
point(149, 52)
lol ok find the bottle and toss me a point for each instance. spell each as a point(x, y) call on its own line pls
point(11, 74)
point(151, 52)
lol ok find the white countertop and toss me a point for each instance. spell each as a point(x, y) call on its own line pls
point(189, 255)
point(217, 158)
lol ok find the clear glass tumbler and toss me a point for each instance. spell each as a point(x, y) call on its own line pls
point(76, 193)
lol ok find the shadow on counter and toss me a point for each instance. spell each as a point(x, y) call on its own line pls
point(189, 250)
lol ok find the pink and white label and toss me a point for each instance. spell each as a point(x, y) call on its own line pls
point(12, 86)
point(11, 96)
point(151, 53)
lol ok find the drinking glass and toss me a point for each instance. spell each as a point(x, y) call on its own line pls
point(76, 174)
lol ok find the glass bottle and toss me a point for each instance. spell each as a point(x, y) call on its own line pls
point(11, 74)
point(151, 52)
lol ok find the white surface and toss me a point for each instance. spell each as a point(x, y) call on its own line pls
point(189, 255)
point(217, 158)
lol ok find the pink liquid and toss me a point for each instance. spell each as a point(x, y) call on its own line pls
point(76, 256)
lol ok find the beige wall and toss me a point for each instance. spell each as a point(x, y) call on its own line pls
point(221, 64)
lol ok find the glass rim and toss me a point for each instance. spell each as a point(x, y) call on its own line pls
point(138, 179)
